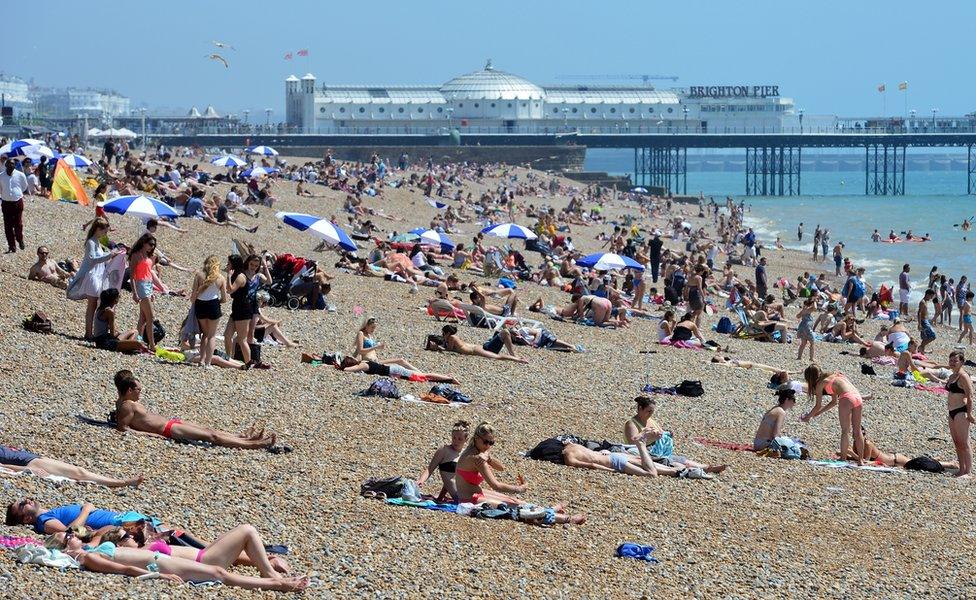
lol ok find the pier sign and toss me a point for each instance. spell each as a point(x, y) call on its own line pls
point(733, 91)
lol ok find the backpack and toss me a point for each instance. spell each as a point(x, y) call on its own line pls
point(391, 486)
point(383, 387)
point(924, 463)
point(39, 323)
point(690, 388)
point(452, 394)
point(725, 326)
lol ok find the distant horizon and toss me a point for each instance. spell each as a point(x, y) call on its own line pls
point(830, 59)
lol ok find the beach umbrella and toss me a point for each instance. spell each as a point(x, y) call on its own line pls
point(265, 150)
point(228, 160)
point(144, 207)
point(28, 147)
point(608, 261)
point(639, 190)
point(320, 228)
point(511, 231)
point(432, 237)
point(75, 160)
point(436, 204)
point(258, 171)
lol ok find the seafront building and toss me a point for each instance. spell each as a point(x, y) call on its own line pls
point(490, 100)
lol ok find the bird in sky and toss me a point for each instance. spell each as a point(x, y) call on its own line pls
point(219, 58)
point(223, 45)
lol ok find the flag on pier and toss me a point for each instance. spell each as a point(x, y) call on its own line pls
point(66, 186)
point(288, 56)
point(881, 88)
point(903, 86)
point(303, 52)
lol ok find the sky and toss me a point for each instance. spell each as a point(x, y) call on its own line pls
point(829, 55)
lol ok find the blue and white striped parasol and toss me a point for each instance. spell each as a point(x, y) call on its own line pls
point(75, 160)
point(144, 207)
point(320, 228)
point(510, 231)
point(258, 171)
point(432, 237)
point(608, 261)
point(28, 147)
point(228, 160)
point(265, 150)
point(436, 204)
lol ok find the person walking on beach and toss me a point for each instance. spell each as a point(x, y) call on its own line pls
point(655, 254)
point(816, 243)
point(962, 288)
point(799, 232)
point(13, 186)
point(925, 329)
point(824, 242)
point(762, 283)
point(904, 291)
point(804, 331)
point(966, 318)
point(838, 258)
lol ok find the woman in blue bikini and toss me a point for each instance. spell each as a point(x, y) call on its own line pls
point(366, 345)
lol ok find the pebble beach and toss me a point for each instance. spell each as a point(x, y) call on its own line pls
point(763, 528)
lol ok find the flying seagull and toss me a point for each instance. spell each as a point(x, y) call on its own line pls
point(223, 45)
point(220, 58)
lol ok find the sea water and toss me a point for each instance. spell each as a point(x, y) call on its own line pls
point(935, 203)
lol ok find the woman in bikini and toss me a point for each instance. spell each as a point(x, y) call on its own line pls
point(965, 318)
point(143, 281)
point(366, 345)
point(107, 557)
point(445, 461)
point(106, 335)
point(685, 330)
point(398, 368)
point(848, 401)
point(209, 292)
point(960, 402)
point(475, 466)
point(884, 459)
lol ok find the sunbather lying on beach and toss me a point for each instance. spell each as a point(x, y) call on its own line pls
point(475, 466)
point(540, 337)
point(884, 459)
point(445, 460)
point(552, 310)
point(746, 364)
point(15, 459)
point(396, 367)
point(107, 557)
point(771, 424)
point(581, 457)
point(490, 349)
point(130, 413)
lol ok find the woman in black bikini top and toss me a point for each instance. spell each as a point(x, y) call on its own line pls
point(445, 461)
point(960, 403)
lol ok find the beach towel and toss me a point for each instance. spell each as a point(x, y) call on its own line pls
point(12, 542)
point(842, 464)
point(39, 555)
point(636, 551)
point(679, 344)
point(425, 504)
point(56, 479)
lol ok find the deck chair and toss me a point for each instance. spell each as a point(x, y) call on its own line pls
point(479, 317)
point(442, 310)
point(747, 329)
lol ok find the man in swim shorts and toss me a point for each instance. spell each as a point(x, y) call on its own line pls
point(904, 290)
point(925, 329)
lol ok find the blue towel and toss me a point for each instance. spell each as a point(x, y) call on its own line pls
point(637, 551)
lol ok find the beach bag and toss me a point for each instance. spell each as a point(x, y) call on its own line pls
point(452, 394)
point(507, 283)
point(434, 343)
point(690, 388)
point(924, 463)
point(477, 320)
point(787, 448)
point(549, 450)
point(39, 322)
point(725, 326)
point(382, 387)
point(664, 446)
point(392, 487)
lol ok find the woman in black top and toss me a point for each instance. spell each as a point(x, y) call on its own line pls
point(445, 461)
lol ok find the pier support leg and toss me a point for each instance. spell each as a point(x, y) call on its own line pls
point(884, 170)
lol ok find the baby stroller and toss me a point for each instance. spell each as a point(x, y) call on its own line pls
point(283, 272)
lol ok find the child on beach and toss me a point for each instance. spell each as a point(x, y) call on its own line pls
point(804, 331)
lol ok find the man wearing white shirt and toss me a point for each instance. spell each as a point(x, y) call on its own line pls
point(13, 186)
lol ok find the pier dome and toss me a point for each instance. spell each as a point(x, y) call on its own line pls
point(490, 84)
